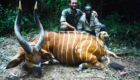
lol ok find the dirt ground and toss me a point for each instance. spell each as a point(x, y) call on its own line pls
point(129, 59)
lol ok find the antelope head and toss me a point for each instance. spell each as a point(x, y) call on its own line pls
point(30, 54)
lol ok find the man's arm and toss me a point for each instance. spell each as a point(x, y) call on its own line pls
point(79, 25)
point(68, 25)
point(63, 21)
point(97, 25)
point(95, 13)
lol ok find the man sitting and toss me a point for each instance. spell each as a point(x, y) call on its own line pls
point(88, 23)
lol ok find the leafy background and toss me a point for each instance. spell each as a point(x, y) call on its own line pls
point(121, 17)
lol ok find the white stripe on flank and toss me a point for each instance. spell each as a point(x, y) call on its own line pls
point(54, 42)
point(78, 41)
point(58, 46)
point(99, 48)
point(81, 37)
point(73, 48)
point(67, 48)
point(94, 50)
point(81, 47)
point(88, 48)
point(96, 47)
point(48, 44)
point(62, 48)
point(90, 56)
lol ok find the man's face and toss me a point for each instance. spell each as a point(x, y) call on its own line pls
point(88, 11)
point(73, 4)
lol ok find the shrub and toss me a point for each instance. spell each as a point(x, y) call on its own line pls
point(125, 33)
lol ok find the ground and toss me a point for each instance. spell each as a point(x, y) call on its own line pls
point(129, 59)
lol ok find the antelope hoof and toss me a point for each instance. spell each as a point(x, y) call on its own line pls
point(81, 67)
point(54, 61)
point(99, 65)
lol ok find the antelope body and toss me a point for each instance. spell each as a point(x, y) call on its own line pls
point(72, 47)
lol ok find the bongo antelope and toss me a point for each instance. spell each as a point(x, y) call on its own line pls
point(68, 47)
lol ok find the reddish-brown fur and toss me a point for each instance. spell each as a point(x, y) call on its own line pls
point(75, 41)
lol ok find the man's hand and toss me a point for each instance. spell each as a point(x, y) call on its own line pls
point(73, 28)
point(69, 26)
point(95, 13)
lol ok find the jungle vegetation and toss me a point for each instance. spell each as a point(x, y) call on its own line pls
point(121, 17)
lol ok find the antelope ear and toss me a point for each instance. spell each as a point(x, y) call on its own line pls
point(48, 58)
point(44, 51)
point(13, 63)
point(46, 55)
point(17, 59)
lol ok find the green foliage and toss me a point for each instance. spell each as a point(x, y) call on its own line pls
point(132, 54)
point(138, 51)
point(88, 70)
point(7, 20)
point(113, 23)
point(124, 32)
point(2, 39)
point(52, 10)
point(49, 12)
point(51, 26)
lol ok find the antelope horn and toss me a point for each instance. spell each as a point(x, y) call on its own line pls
point(17, 28)
point(40, 28)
